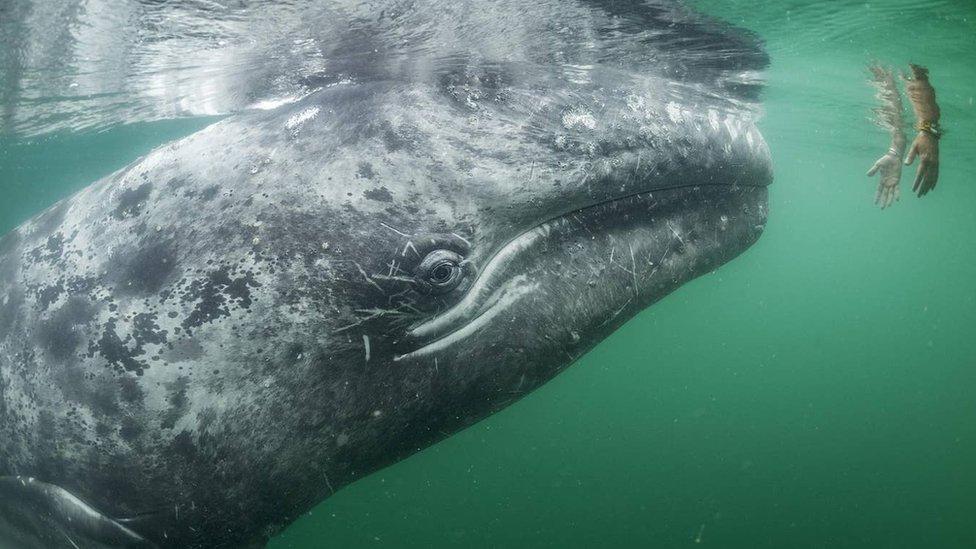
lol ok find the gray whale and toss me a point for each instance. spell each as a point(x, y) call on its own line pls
point(199, 348)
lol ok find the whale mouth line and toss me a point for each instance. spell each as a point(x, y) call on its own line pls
point(500, 301)
point(496, 289)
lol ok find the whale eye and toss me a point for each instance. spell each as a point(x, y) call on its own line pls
point(440, 271)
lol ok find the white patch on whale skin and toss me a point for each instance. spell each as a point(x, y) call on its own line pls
point(270, 104)
point(727, 150)
point(733, 126)
point(713, 120)
point(298, 119)
point(674, 112)
point(637, 104)
point(580, 119)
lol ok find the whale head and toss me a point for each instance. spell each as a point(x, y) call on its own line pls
point(453, 206)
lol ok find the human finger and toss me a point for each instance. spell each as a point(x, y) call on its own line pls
point(926, 184)
point(918, 179)
point(912, 152)
point(874, 169)
point(931, 178)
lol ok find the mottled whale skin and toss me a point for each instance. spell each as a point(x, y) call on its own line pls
point(202, 346)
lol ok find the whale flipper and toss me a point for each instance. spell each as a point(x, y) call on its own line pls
point(37, 515)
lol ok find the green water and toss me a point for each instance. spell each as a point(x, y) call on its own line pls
point(819, 391)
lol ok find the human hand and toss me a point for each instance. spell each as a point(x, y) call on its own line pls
point(918, 72)
point(926, 147)
point(890, 167)
point(882, 74)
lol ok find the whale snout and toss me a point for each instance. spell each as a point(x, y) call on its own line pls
point(591, 269)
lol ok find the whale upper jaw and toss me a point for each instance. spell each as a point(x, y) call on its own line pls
point(701, 173)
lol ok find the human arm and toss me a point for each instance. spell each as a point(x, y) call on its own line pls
point(926, 143)
point(889, 116)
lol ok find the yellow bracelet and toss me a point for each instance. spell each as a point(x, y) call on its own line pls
point(930, 128)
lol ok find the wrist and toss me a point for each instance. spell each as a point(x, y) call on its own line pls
point(930, 127)
point(898, 144)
